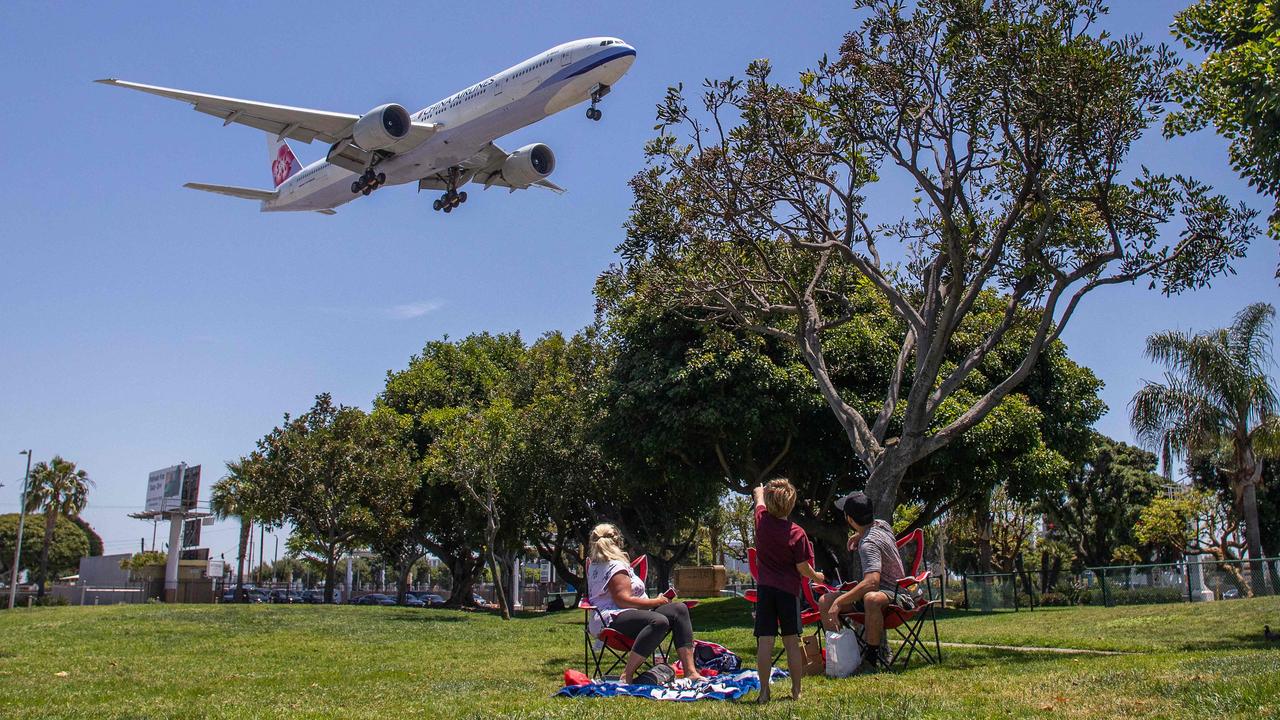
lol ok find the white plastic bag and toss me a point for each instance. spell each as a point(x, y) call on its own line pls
point(844, 654)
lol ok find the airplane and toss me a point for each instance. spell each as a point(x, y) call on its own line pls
point(441, 147)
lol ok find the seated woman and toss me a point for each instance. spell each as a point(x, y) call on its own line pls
point(622, 605)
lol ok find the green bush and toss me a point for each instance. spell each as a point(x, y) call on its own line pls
point(51, 601)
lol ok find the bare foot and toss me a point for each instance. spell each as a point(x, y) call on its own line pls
point(695, 677)
point(795, 693)
point(763, 698)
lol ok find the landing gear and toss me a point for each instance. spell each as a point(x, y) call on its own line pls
point(449, 201)
point(368, 182)
point(597, 92)
point(452, 198)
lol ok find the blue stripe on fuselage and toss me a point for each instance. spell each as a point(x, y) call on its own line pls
point(586, 65)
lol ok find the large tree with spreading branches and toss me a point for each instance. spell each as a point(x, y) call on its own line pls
point(1009, 121)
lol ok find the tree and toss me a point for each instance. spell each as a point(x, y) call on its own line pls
point(95, 540)
point(1013, 119)
point(556, 456)
point(1193, 522)
point(741, 408)
point(443, 384)
point(57, 488)
point(1217, 393)
point(337, 475)
point(67, 546)
point(1235, 87)
point(232, 496)
point(1099, 507)
point(470, 457)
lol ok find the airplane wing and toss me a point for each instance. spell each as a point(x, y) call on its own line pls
point(301, 124)
point(485, 168)
point(233, 191)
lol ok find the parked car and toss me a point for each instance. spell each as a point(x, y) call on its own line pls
point(411, 600)
point(250, 595)
point(375, 599)
point(313, 597)
point(431, 599)
point(288, 597)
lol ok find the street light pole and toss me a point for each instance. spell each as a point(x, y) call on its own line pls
point(22, 516)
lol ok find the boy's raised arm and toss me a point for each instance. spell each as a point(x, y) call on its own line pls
point(758, 494)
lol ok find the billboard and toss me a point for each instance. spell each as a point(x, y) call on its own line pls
point(191, 533)
point(173, 489)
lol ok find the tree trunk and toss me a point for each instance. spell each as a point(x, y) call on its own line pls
point(664, 570)
point(246, 527)
point(498, 595)
point(462, 571)
point(885, 478)
point(1253, 535)
point(984, 522)
point(402, 581)
point(50, 519)
point(331, 577)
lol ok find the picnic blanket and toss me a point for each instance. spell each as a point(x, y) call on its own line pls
point(726, 686)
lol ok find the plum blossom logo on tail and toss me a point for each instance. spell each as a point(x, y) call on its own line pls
point(284, 166)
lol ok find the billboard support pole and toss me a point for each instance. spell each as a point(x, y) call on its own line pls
point(176, 518)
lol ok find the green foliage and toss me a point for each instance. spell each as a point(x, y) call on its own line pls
point(95, 540)
point(1235, 87)
point(337, 475)
point(69, 544)
point(149, 558)
point(1217, 398)
point(1097, 510)
point(1011, 121)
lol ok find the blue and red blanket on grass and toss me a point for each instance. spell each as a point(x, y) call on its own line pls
point(725, 686)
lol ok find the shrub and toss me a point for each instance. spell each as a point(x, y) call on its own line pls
point(51, 601)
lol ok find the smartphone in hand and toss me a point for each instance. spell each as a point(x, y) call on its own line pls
point(670, 594)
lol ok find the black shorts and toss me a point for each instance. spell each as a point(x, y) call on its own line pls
point(777, 612)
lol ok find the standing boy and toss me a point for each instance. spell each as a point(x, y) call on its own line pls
point(784, 558)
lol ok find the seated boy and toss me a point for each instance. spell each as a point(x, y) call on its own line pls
point(881, 570)
point(783, 556)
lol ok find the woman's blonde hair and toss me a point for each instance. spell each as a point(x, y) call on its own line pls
point(606, 544)
point(779, 498)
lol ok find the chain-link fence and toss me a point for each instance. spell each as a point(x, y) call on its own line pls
point(1193, 580)
point(1187, 581)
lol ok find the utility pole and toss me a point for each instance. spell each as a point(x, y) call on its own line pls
point(22, 517)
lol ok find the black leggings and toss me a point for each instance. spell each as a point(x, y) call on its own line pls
point(649, 627)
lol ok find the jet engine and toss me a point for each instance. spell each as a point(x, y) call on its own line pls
point(381, 127)
point(528, 165)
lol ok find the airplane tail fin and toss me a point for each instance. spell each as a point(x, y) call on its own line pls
point(284, 164)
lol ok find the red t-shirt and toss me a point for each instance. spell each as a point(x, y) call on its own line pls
point(780, 546)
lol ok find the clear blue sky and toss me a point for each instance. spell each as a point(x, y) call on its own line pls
point(142, 324)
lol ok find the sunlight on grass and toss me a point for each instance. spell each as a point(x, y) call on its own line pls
point(370, 662)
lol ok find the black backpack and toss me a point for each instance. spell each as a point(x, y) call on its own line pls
point(660, 674)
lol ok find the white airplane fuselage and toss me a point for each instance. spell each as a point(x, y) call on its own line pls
point(519, 96)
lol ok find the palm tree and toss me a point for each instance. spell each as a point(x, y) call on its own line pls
point(56, 488)
point(229, 498)
point(1217, 394)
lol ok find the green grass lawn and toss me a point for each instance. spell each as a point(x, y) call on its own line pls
point(151, 661)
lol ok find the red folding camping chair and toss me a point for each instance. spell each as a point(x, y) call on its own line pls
point(611, 645)
point(807, 617)
point(907, 625)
